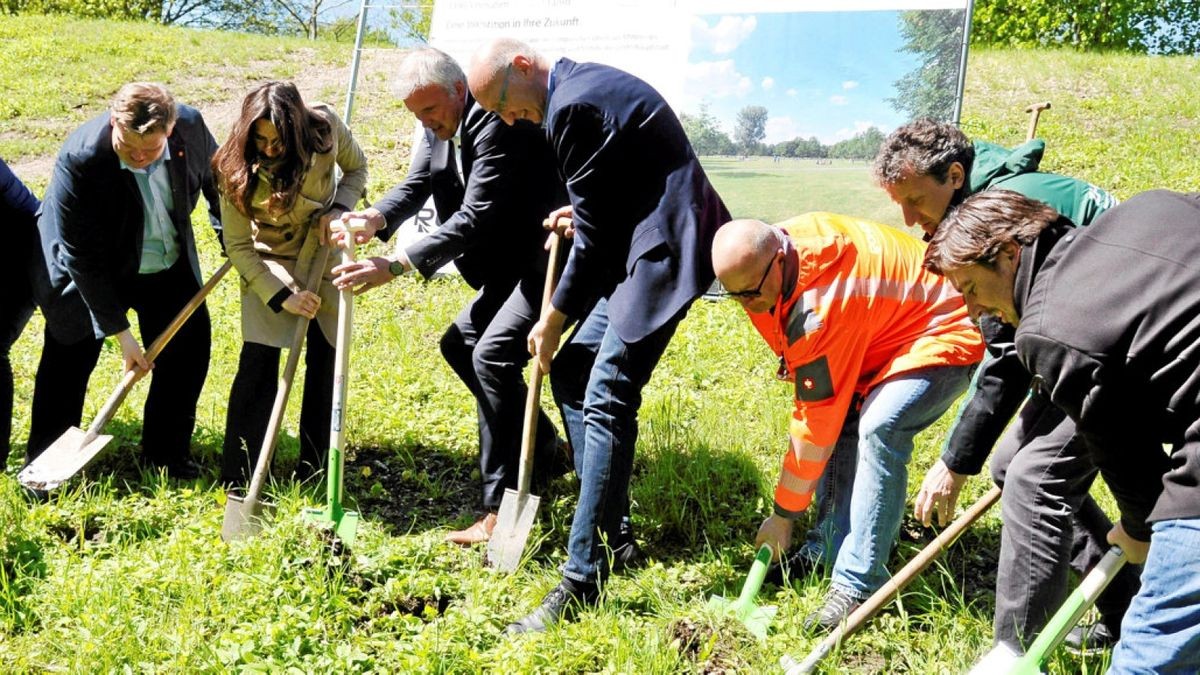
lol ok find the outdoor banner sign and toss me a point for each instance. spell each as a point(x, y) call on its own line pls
point(785, 101)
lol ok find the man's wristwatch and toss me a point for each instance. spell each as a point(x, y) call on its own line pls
point(395, 268)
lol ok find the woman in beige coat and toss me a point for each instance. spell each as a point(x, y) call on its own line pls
point(279, 190)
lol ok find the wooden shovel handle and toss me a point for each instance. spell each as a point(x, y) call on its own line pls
point(859, 617)
point(529, 433)
point(134, 374)
point(263, 465)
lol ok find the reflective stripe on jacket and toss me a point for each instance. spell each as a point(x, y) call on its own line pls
point(862, 309)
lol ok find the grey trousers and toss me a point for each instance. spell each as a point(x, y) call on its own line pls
point(1050, 525)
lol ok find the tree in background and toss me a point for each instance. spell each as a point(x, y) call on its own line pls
point(929, 90)
point(1140, 26)
point(705, 135)
point(862, 146)
point(751, 128)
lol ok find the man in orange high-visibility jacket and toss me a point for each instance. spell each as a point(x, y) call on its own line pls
point(878, 349)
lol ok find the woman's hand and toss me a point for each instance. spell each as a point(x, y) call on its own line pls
point(303, 303)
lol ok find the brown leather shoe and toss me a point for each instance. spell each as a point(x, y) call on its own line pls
point(477, 533)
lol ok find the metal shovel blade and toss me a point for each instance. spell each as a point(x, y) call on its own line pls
point(64, 458)
point(244, 518)
point(513, 523)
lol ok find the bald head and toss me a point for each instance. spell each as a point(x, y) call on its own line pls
point(508, 77)
point(743, 254)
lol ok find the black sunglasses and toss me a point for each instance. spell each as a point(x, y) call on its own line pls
point(757, 290)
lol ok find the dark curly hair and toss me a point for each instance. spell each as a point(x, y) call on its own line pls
point(926, 148)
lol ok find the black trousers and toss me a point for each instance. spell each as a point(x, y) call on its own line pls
point(16, 306)
point(486, 346)
point(1051, 524)
point(253, 396)
point(175, 383)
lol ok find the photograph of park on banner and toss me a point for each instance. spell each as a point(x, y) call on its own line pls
point(785, 101)
point(787, 109)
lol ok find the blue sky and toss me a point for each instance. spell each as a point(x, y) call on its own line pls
point(823, 74)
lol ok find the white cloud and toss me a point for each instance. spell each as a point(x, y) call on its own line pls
point(715, 79)
point(850, 84)
point(793, 93)
point(838, 100)
point(724, 37)
point(780, 129)
point(767, 83)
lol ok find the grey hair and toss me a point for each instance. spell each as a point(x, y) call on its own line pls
point(425, 67)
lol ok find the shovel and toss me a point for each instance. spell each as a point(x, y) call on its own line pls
point(243, 513)
point(756, 619)
point(1071, 611)
point(518, 508)
point(334, 517)
point(72, 451)
point(859, 617)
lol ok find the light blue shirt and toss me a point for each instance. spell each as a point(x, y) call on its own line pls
point(160, 245)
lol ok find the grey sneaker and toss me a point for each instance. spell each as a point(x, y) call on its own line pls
point(838, 605)
point(1090, 640)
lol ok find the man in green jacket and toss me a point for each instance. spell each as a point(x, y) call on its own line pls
point(1050, 522)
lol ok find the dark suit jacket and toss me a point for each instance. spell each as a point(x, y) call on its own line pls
point(492, 228)
point(645, 213)
point(91, 225)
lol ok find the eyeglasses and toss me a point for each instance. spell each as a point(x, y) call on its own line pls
point(502, 100)
point(757, 290)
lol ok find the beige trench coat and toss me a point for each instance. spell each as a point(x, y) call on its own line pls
point(273, 252)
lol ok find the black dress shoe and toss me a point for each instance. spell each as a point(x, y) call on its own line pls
point(560, 604)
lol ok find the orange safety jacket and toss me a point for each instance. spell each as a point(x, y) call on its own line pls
point(856, 308)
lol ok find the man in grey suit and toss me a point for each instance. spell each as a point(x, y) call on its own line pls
point(491, 228)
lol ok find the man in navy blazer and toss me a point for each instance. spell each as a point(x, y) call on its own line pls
point(644, 216)
point(491, 228)
point(116, 233)
point(18, 213)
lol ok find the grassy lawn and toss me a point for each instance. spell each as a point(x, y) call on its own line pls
point(125, 571)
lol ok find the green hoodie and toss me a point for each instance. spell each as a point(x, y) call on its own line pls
point(1017, 170)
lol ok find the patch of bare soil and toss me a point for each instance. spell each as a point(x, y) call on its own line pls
point(712, 649)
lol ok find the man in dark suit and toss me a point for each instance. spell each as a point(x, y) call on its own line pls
point(116, 234)
point(644, 216)
point(18, 212)
point(491, 228)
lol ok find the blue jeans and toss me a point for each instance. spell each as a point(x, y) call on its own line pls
point(1161, 630)
point(863, 493)
point(597, 380)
